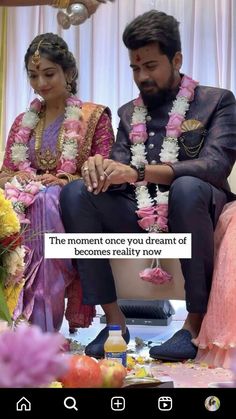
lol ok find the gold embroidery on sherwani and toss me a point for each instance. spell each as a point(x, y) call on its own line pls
point(189, 126)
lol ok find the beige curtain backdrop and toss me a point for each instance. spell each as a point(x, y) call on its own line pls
point(208, 44)
point(3, 37)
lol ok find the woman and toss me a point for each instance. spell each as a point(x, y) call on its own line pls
point(49, 143)
point(217, 338)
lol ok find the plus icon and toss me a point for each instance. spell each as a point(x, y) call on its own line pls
point(118, 403)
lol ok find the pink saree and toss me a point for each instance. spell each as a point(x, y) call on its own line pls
point(217, 338)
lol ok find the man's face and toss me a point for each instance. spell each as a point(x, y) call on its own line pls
point(153, 73)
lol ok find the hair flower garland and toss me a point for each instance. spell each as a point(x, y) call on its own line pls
point(153, 212)
point(73, 128)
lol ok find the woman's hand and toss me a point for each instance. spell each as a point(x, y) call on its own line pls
point(25, 176)
point(48, 179)
point(93, 173)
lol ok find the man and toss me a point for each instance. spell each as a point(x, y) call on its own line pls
point(178, 135)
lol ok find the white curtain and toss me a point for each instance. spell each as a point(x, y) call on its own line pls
point(208, 44)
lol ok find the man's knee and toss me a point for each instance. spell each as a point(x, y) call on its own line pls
point(188, 186)
point(188, 193)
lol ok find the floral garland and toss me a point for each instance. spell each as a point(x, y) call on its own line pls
point(22, 195)
point(153, 212)
point(74, 129)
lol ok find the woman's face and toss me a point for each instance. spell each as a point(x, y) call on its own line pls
point(47, 79)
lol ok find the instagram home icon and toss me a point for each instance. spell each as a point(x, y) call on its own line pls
point(165, 403)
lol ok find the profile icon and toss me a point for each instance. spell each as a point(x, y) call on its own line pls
point(212, 403)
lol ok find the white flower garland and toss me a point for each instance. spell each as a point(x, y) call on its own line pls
point(69, 152)
point(170, 148)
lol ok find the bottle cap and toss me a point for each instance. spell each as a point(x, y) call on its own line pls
point(114, 327)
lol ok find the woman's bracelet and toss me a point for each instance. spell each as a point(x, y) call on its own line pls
point(60, 4)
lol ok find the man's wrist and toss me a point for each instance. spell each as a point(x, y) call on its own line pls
point(140, 170)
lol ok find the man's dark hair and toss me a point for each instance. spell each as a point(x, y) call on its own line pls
point(154, 27)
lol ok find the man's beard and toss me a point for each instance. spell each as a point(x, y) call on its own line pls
point(152, 100)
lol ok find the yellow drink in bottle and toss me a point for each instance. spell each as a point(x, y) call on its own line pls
point(115, 346)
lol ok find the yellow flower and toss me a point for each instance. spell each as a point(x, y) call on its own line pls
point(9, 222)
point(12, 293)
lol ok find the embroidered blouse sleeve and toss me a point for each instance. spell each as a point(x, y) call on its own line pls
point(103, 137)
point(8, 165)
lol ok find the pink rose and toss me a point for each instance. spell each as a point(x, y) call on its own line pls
point(147, 222)
point(173, 128)
point(26, 198)
point(68, 166)
point(138, 137)
point(25, 167)
point(11, 191)
point(162, 209)
point(138, 101)
point(73, 101)
point(144, 212)
point(155, 275)
point(161, 222)
point(36, 105)
point(138, 134)
point(187, 88)
point(188, 82)
point(72, 125)
point(22, 136)
point(33, 188)
point(186, 92)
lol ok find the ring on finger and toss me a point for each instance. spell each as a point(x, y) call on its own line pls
point(106, 174)
point(85, 169)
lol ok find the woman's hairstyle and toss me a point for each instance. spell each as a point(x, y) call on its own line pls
point(55, 49)
point(154, 27)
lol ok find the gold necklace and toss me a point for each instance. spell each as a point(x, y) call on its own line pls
point(47, 160)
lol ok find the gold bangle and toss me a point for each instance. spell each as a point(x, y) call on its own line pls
point(60, 4)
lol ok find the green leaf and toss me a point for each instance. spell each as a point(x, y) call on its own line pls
point(4, 312)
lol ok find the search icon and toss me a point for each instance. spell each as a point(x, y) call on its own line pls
point(70, 405)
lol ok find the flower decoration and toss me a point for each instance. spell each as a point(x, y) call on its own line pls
point(153, 212)
point(30, 358)
point(22, 195)
point(11, 259)
point(73, 128)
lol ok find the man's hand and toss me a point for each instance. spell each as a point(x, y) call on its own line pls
point(118, 173)
point(99, 173)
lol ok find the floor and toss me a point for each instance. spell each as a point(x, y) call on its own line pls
point(188, 374)
point(155, 334)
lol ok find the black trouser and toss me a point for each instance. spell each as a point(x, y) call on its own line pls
point(194, 207)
